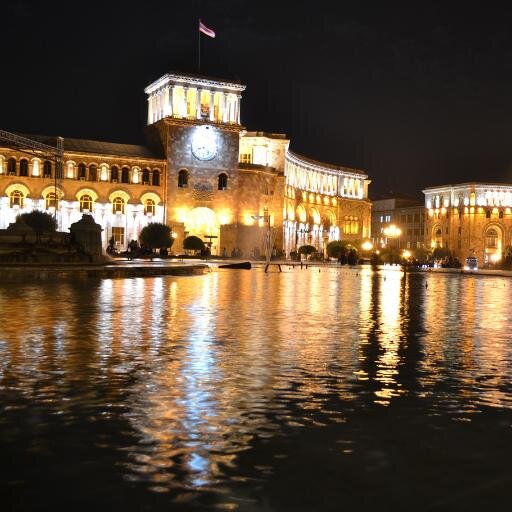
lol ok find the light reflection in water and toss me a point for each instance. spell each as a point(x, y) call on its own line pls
point(195, 370)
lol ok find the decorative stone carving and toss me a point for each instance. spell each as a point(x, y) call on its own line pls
point(202, 191)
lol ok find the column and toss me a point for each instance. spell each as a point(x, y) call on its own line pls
point(223, 106)
point(212, 118)
point(237, 110)
point(185, 97)
point(198, 103)
point(150, 109)
point(169, 98)
point(166, 101)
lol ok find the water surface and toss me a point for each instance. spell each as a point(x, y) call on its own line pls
point(307, 390)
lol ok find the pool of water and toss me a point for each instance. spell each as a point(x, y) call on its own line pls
point(317, 389)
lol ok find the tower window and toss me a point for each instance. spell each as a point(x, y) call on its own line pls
point(183, 179)
point(223, 181)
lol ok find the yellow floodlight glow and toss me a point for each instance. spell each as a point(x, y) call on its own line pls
point(495, 258)
point(367, 246)
point(406, 254)
point(392, 231)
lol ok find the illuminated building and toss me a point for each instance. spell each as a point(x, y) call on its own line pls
point(405, 214)
point(470, 219)
point(201, 172)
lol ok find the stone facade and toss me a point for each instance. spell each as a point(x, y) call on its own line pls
point(202, 173)
point(470, 219)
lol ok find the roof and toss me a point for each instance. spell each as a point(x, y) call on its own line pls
point(98, 147)
point(342, 168)
point(467, 184)
point(266, 134)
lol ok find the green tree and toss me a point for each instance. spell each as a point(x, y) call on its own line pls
point(156, 236)
point(193, 243)
point(40, 222)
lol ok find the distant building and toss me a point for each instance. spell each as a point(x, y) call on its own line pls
point(470, 219)
point(399, 222)
point(201, 173)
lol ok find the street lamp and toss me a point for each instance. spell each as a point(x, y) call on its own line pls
point(392, 232)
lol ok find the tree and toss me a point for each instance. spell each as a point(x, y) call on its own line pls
point(193, 243)
point(156, 236)
point(337, 248)
point(307, 250)
point(40, 222)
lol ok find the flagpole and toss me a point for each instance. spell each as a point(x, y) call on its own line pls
point(199, 49)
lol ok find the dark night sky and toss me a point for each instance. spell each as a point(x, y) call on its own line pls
point(417, 94)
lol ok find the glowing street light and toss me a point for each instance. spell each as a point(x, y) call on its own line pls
point(367, 246)
point(392, 231)
point(406, 254)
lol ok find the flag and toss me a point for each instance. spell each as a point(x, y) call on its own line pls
point(205, 30)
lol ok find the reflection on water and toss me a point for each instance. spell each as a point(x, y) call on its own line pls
point(175, 378)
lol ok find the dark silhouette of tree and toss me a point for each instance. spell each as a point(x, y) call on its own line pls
point(307, 249)
point(156, 236)
point(40, 222)
point(193, 243)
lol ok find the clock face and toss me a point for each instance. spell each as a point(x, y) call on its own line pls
point(204, 144)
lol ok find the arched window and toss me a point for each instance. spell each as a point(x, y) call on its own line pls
point(222, 181)
point(47, 169)
point(114, 174)
point(11, 167)
point(23, 167)
point(150, 207)
point(156, 178)
point(81, 171)
point(125, 175)
point(491, 239)
point(93, 173)
point(183, 179)
point(51, 201)
point(118, 205)
point(16, 199)
point(86, 203)
point(145, 177)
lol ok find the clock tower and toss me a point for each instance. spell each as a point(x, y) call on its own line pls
point(196, 122)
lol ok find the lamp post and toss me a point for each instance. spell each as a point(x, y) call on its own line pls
point(392, 232)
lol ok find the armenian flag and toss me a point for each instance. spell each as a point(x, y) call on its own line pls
point(205, 30)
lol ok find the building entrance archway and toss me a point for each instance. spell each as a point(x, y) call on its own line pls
point(203, 223)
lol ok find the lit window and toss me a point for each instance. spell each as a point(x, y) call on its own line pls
point(85, 203)
point(246, 158)
point(118, 235)
point(118, 205)
point(491, 239)
point(16, 199)
point(51, 201)
point(150, 207)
